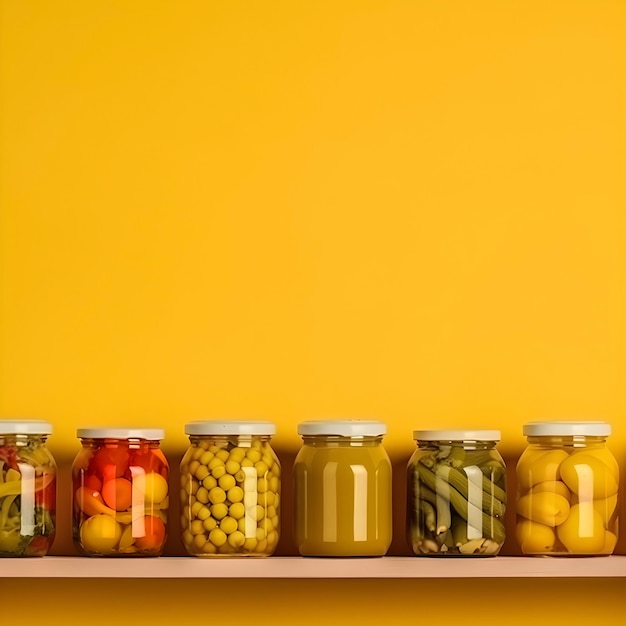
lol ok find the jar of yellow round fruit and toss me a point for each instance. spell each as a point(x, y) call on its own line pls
point(456, 493)
point(567, 490)
point(230, 489)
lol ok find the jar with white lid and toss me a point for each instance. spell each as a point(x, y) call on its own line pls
point(230, 489)
point(567, 490)
point(342, 489)
point(456, 493)
point(120, 492)
point(27, 488)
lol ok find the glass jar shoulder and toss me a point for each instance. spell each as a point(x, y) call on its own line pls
point(316, 458)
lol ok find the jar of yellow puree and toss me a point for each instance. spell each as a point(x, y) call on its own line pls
point(342, 483)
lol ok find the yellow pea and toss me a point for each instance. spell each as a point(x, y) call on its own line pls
point(217, 495)
point(237, 455)
point(253, 455)
point(588, 476)
point(206, 457)
point(535, 466)
point(583, 531)
point(545, 507)
point(236, 539)
point(232, 467)
point(209, 482)
point(219, 511)
point(534, 538)
point(237, 510)
point(553, 486)
point(223, 455)
point(217, 537)
point(229, 525)
point(226, 482)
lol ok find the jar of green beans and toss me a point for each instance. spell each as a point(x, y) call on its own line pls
point(456, 493)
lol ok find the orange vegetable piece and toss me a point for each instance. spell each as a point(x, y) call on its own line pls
point(117, 493)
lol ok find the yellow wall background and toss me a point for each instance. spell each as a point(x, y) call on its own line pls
point(406, 210)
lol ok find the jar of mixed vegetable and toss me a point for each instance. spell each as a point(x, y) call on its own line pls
point(456, 493)
point(230, 489)
point(120, 484)
point(27, 489)
point(567, 490)
point(342, 488)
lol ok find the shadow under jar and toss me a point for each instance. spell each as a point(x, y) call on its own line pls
point(456, 493)
point(120, 487)
point(567, 490)
point(342, 484)
point(27, 489)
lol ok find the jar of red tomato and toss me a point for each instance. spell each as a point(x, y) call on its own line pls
point(27, 489)
point(120, 483)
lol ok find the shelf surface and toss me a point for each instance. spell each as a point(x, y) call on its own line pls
point(309, 568)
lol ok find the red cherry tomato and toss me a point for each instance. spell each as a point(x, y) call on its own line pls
point(92, 482)
point(155, 534)
point(110, 461)
point(118, 493)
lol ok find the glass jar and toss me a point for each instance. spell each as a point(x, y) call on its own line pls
point(342, 487)
point(230, 489)
point(456, 493)
point(120, 486)
point(27, 489)
point(567, 490)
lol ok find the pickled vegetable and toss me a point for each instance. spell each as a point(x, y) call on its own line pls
point(230, 497)
point(120, 499)
point(27, 496)
point(456, 500)
point(567, 500)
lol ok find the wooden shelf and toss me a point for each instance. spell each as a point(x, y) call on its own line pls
point(315, 568)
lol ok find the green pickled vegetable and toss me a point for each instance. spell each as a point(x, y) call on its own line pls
point(465, 490)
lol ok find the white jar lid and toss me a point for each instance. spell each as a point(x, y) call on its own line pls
point(456, 435)
point(343, 428)
point(564, 428)
point(230, 427)
point(152, 434)
point(25, 427)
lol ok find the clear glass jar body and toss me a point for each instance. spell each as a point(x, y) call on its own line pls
point(456, 498)
point(230, 496)
point(567, 496)
point(121, 499)
point(342, 489)
point(27, 495)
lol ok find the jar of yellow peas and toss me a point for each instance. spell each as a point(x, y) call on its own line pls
point(230, 489)
point(567, 490)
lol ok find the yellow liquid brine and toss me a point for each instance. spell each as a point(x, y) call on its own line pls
point(342, 497)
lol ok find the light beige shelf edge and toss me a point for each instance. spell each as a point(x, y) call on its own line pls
point(312, 568)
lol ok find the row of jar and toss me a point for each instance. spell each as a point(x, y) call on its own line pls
point(230, 495)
